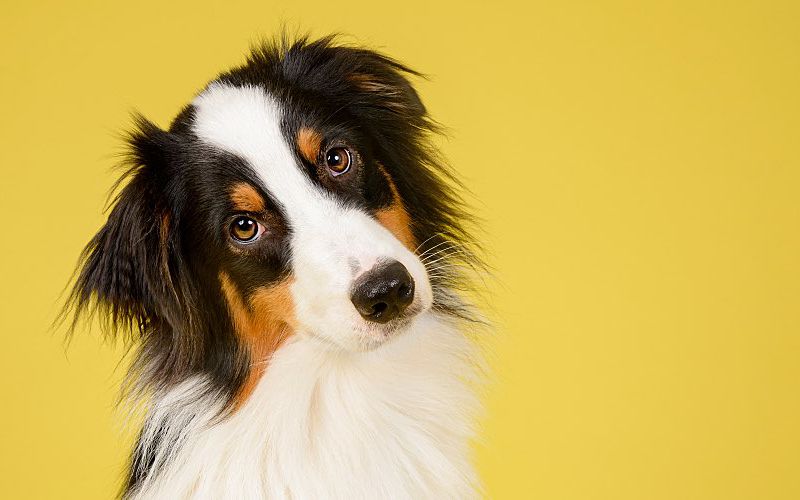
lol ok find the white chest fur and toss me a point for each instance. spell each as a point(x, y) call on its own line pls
point(391, 423)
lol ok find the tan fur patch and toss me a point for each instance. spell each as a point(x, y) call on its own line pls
point(245, 198)
point(163, 238)
point(369, 83)
point(395, 218)
point(262, 324)
point(308, 142)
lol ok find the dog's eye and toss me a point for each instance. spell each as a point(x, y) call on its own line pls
point(338, 160)
point(245, 230)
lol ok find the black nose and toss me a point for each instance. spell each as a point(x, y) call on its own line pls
point(383, 293)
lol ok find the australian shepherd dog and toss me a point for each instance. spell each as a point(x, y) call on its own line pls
point(287, 262)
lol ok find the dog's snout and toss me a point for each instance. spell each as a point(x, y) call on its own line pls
point(384, 292)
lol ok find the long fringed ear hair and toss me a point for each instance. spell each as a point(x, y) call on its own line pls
point(135, 275)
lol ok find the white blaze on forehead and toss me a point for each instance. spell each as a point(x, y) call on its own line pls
point(246, 121)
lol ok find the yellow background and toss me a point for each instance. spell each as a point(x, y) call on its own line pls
point(638, 169)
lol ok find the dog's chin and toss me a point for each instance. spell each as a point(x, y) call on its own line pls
point(372, 337)
point(366, 336)
point(376, 337)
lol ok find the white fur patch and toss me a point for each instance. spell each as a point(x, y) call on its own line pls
point(391, 423)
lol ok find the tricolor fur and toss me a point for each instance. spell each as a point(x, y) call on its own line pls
point(262, 374)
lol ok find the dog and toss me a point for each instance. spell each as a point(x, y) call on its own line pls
point(287, 260)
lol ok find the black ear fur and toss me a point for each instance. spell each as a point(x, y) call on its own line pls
point(137, 274)
point(127, 269)
point(384, 80)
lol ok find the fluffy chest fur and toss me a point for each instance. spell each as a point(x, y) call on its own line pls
point(392, 423)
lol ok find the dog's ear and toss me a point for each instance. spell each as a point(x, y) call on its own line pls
point(127, 269)
point(384, 81)
point(374, 82)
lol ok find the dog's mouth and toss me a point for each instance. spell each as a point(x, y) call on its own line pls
point(366, 336)
point(376, 336)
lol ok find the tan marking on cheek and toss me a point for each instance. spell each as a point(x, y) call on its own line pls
point(245, 198)
point(309, 142)
point(262, 325)
point(395, 218)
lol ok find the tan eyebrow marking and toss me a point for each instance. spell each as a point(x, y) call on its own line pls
point(245, 198)
point(309, 142)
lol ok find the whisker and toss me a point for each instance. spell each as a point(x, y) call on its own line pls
point(445, 242)
point(449, 251)
point(444, 257)
point(423, 243)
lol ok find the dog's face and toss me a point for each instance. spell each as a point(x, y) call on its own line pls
point(291, 197)
point(312, 232)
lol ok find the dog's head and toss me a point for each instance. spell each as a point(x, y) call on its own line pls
point(293, 196)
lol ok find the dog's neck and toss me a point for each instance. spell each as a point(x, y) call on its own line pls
point(395, 422)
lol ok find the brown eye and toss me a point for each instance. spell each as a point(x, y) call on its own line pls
point(245, 230)
point(338, 160)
